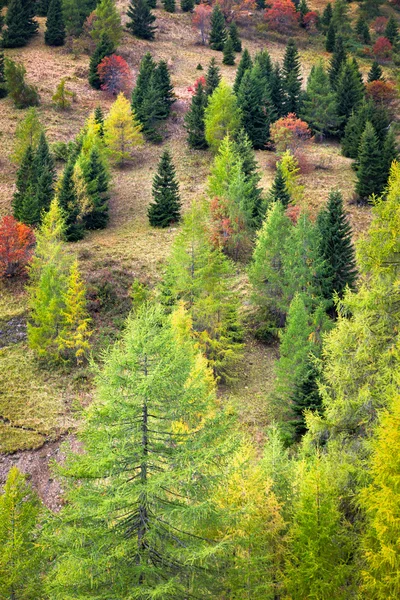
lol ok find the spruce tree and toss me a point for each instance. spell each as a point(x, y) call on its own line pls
point(213, 77)
point(336, 247)
point(217, 36)
point(320, 103)
point(276, 93)
point(263, 61)
point(21, 553)
point(25, 184)
point(166, 208)
point(326, 17)
point(187, 5)
point(233, 33)
point(349, 92)
point(362, 30)
point(162, 80)
point(338, 59)
point(141, 20)
point(392, 31)
point(291, 71)
point(254, 117)
point(375, 73)
point(249, 165)
point(228, 53)
point(279, 191)
point(55, 28)
point(146, 69)
point(18, 25)
point(169, 5)
point(3, 83)
point(305, 397)
point(42, 7)
point(341, 18)
point(96, 215)
point(194, 119)
point(244, 64)
point(369, 173)
point(99, 118)
point(45, 173)
point(330, 38)
point(68, 202)
point(104, 48)
point(367, 111)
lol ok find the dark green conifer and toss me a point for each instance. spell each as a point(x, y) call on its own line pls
point(68, 202)
point(104, 48)
point(291, 71)
point(194, 119)
point(279, 191)
point(55, 28)
point(165, 87)
point(367, 111)
point(276, 93)
point(141, 20)
point(152, 3)
point(244, 64)
point(330, 38)
point(20, 24)
point(244, 150)
point(96, 178)
point(167, 205)
point(99, 119)
point(3, 83)
point(42, 7)
point(389, 154)
point(362, 30)
point(306, 397)
point(229, 53)
point(349, 91)
point(338, 58)
point(45, 175)
point(263, 60)
point(336, 247)
point(255, 120)
point(187, 5)
point(369, 173)
point(217, 35)
point(326, 17)
point(375, 73)
point(213, 77)
point(234, 35)
point(146, 69)
point(25, 183)
point(392, 31)
point(169, 5)
point(303, 9)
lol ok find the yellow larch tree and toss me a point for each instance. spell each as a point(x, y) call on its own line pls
point(122, 131)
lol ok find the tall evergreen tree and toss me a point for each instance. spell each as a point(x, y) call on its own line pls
point(369, 173)
point(165, 87)
point(213, 77)
point(338, 59)
point(141, 20)
point(96, 214)
point(228, 52)
point(217, 36)
point(306, 397)
point(42, 7)
point(249, 165)
point(244, 64)
point(392, 31)
point(326, 17)
point(20, 24)
point(341, 18)
point(167, 204)
point(291, 71)
point(276, 93)
point(362, 30)
point(55, 28)
point(255, 120)
point(76, 13)
point(320, 103)
point(104, 48)
point(25, 184)
point(336, 247)
point(279, 191)
point(330, 38)
point(68, 202)
point(3, 83)
point(99, 119)
point(349, 92)
point(375, 73)
point(107, 22)
point(169, 5)
point(234, 35)
point(194, 119)
point(45, 173)
point(146, 69)
point(367, 111)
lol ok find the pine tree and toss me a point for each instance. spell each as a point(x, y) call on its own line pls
point(320, 103)
point(76, 13)
point(279, 191)
point(169, 5)
point(276, 93)
point(20, 25)
point(122, 131)
point(389, 154)
point(330, 38)
point(146, 68)
point(349, 92)
point(213, 77)
point(25, 202)
point(249, 165)
point(3, 83)
point(150, 429)
point(217, 35)
point(341, 18)
point(187, 5)
point(141, 20)
point(336, 247)
point(68, 201)
point(291, 71)
point(107, 22)
point(367, 111)
point(233, 33)
point(254, 117)
point(162, 81)
point(194, 119)
point(55, 28)
point(392, 31)
point(338, 59)
point(369, 173)
point(326, 16)
point(375, 73)
point(95, 214)
point(21, 93)
point(21, 554)
point(306, 397)
point(228, 53)
point(167, 204)
point(104, 48)
point(263, 61)
point(244, 64)
point(99, 119)
point(362, 30)
point(42, 7)
point(73, 340)
point(46, 174)
point(222, 116)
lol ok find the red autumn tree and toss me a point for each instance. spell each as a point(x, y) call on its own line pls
point(193, 88)
point(221, 229)
point(383, 48)
point(293, 212)
point(282, 16)
point(17, 242)
point(382, 92)
point(115, 75)
point(289, 133)
point(310, 21)
point(379, 25)
point(201, 20)
point(236, 9)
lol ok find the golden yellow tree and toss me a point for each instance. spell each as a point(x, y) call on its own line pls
point(122, 131)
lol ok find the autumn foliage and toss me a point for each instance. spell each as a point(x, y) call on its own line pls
point(201, 20)
point(17, 242)
point(382, 48)
point(289, 133)
point(382, 92)
point(193, 88)
point(379, 25)
point(115, 74)
point(282, 16)
point(310, 21)
point(236, 9)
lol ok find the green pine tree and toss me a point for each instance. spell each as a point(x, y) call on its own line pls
point(95, 173)
point(367, 111)
point(76, 13)
point(26, 181)
point(46, 174)
point(194, 119)
point(250, 169)
point(228, 52)
point(244, 64)
point(375, 73)
point(392, 31)
point(326, 17)
point(330, 38)
point(55, 28)
point(3, 83)
point(162, 80)
point(369, 173)
point(99, 119)
point(233, 33)
point(255, 119)
point(320, 103)
point(141, 20)
point(279, 191)
point(169, 5)
point(362, 30)
point(338, 59)
point(213, 77)
point(146, 68)
point(341, 18)
point(306, 397)
point(291, 71)
point(166, 208)
point(20, 24)
point(276, 93)
point(68, 201)
point(104, 48)
point(187, 5)
point(217, 35)
point(42, 7)
point(349, 92)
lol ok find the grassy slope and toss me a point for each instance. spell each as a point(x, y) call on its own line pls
point(129, 248)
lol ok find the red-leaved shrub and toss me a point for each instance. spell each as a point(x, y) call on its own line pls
point(282, 16)
point(17, 242)
point(379, 25)
point(115, 74)
point(289, 133)
point(193, 88)
point(383, 48)
point(382, 92)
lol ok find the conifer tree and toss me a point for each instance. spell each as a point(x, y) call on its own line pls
point(320, 103)
point(3, 83)
point(330, 38)
point(21, 555)
point(21, 93)
point(362, 30)
point(104, 48)
point(194, 119)
point(222, 116)
point(107, 22)
point(141, 20)
point(146, 68)
point(169, 5)
point(27, 133)
point(349, 92)
point(276, 93)
point(367, 111)
point(167, 204)
point(375, 73)
point(156, 392)
point(369, 173)
point(336, 247)
point(389, 154)
point(187, 5)
point(95, 214)
point(306, 397)
point(73, 339)
point(228, 52)
point(327, 16)
point(55, 28)
point(20, 24)
point(279, 191)
point(25, 184)
point(392, 31)
point(255, 119)
point(213, 77)
point(244, 64)
point(162, 81)
point(68, 201)
point(99, 119)
point(122, 131)
point(217, 35)
point(292, 78)
point(244, 150)
point(338, 59)
point(233, 33)
point(42, 7)
point(341, 18)
point(45, 174)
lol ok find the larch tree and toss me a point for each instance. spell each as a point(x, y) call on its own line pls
point(222, 116)
point(27, 133)
point(122, 131)
point(107, 22)
point(166, 206)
